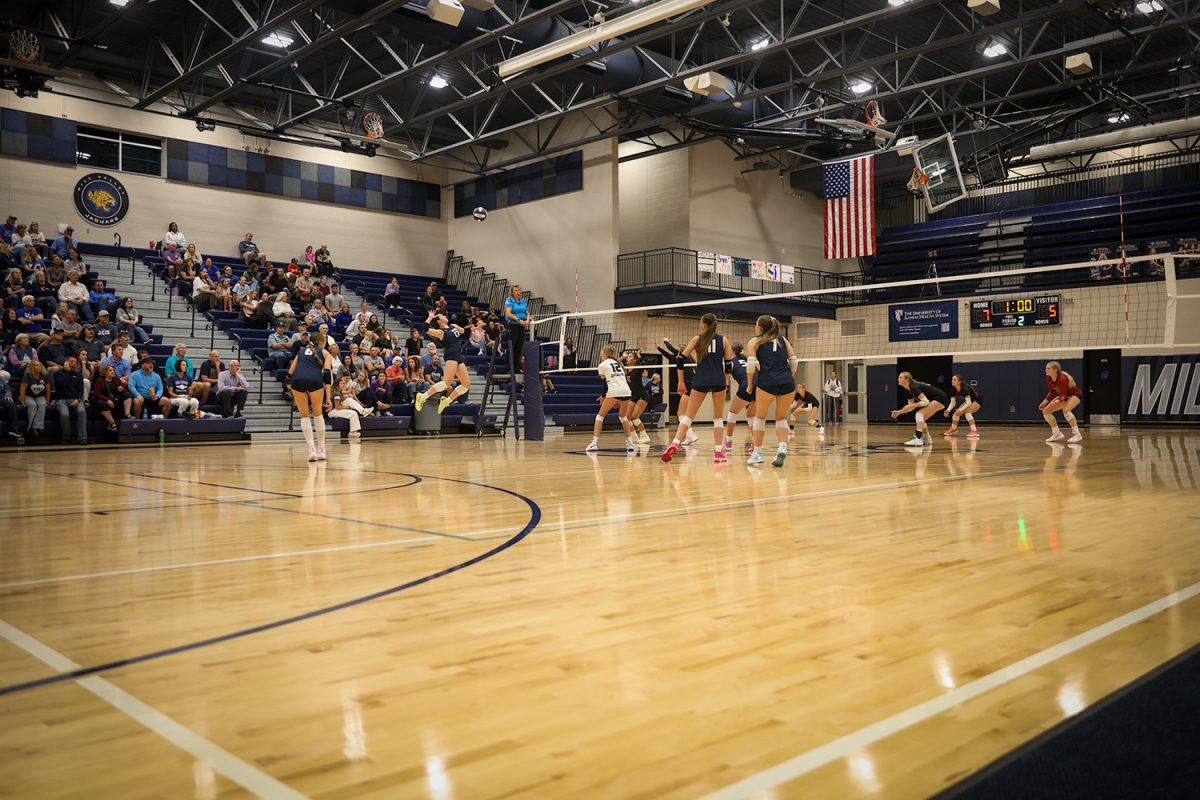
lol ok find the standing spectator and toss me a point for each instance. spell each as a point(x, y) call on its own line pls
point(35, 396)
point(174, 237)
point(110, 397)
point(249, 251)
point(31, 319)
point(516, 316)
point(76, 295)
point(69, 396)
point(180, 355)
point(210, 373)
point(232, 390)
point(8, 408)
point(101, 300)
point(65, 243)
point(279, 348)
point(147, 389)
point(391, 294)
point(179, 390)
point(129, 321)
point(833, 390)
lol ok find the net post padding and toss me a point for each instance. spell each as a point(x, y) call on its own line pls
point(1094, 313)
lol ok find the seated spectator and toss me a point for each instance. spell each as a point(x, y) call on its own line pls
point(377, 394)
point(391, 294)
point(20, 242)
point(70, 327)
point(318, 314)
point(9, 329)
point(87, 369)
point(210, 372)
point(224, 300)
point(323, 261)
point(232, 390)
point(373, 362)
point(32, 320)
point(179, 355)
point(21, 354)
point(173, 258)
point(430, 300)
point(1100, 272)
point(212, 271)
point(35, 396)
point(279, 348)
point(120, 361)
point(241, 289)
point(8, 258)
point(322, 289)
point(310, 256)
point(110, 397)
point(347, 407)
point(191, 253)
point(433, 372)
point(53, 354)
point(147, 389)
point(282, 310)
point(14, 288)
point(358, 323)
point(343, 317)
point(179, 390)
point(106, 332)
point(44, 293)
point(100, 299)
point(396, 379)
point(31, 262)
point(334, 299)
point(72, 262)
point(345, 367)
point(39, 240)
point(8, 407)
point(63, 244)
point(92, 346)
point(478, 340)
point(429, 355)
point(300, 337)
point(412, 345)
point(1154, 268)
point(249, 250)
point(414, 375)
point(256, 310)
point(174, 237)
point(76, 295)
point(130, 321)
point(9, 227)
point(204, 293)
point(69, 401)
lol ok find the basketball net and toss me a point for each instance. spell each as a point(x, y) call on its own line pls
point(874, 115)
point(23, 45)
point(373, 125)
point(918, 180)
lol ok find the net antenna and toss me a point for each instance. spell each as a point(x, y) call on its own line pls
point(23, 45)
point(373, 125)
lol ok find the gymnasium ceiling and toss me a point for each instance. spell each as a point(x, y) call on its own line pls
point(792, 61)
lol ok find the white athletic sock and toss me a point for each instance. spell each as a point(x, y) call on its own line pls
point(306, 428)
point(782, 447)
point(637, 423)
point(318, 423)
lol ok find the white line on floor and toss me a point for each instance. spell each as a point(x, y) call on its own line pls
point(222, 761)
point(793, 768)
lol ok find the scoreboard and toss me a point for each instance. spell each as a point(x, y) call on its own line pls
point(1018, 312)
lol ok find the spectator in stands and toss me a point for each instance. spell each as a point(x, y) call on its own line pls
point(282, 311)
point(92, 346)
point(249, 251)
point(20, 241)
point(70, 326)
point(73, 262)
point(232, 390)
point(179, 390)
point(1155, 268)
point(44, 293)
point(105, 331)
point(305, 286)
point(378, 394)
point(147, 389)
point(279, 348)
point(322, 289)
point(10, 328)
point(8, 258)
point(14, 288)
point(334, 299)
point(317, 315)
point(21, 354)
point(65, 243)
point(174, 237)
point(8, 407)
point(478, 340)
point(430, 300)
point(224, 295)
point(100, 299)
point(570, 354)
point(654, 391)
point(412, 345)
point(110, 397)
point(119, 361)
point(9, 227)
point(204, 293)
point(240, 290)
point(31, 262)
point(343, 317)
point(55, 273)
point(35, 396)
point(87, 368)
point(76, 295)
point(54, 354)
point(323, 260)
point(39, 240)
point(173, 258)
point(373, 362)
point(347, 407)
point(359, 322)
point(256, 310)
point(210, 373)
point(1100, 272)
point(428, 356)
point(190, 252)
point(69, 397)
point(396, 380)
point(130, 321)
point(180, 355)
point(32, 320)
point(301, 334)
point(433, 372)
point(415, 376)
point(391, 294)
point(345, 367)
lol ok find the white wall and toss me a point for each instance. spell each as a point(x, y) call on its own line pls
point(217, 218)
point(653, 199)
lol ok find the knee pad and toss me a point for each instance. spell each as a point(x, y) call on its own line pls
point(623, 419)
point(1069, 417)
point(760, 424)
point(920, 418)
point(1048, 417)
point(599, 418)
point(318, 419)
point(782, 424)
point(684, 419)
point(729, 417)
point(718, 424)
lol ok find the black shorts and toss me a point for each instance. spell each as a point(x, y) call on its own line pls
point(307, 385)
point(720, 388)
point(747, 396)
point(813, 404)
point(779, 391)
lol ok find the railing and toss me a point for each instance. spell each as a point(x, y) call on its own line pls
point(674, 266)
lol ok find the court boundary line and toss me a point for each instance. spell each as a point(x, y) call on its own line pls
point(176, 733)
point(798, 766)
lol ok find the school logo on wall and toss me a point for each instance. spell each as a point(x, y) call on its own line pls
point(101, 199)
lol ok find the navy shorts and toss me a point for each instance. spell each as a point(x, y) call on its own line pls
point(749, 398)
point(778, 391)
point(720, 388)
point(303, 385)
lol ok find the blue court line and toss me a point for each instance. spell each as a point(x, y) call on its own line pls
point(535, 517)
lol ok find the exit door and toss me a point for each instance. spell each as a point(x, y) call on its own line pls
point(1102, 386)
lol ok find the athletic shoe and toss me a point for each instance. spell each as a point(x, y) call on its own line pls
point(444, 404)
point(719, 457)
point(1055, 437)
point(951, 431)
point(691, 438)
point(780, 455)
point(419, 402)
point(916, 441)
point(320, 454)
point(312, 454)
point(630, 447)
point(592, 445)
point(821, 431)
point(755, 458)
point(1075, 438)
point(669, 453)
point(356, 435)
point(974, 434)
point(927, 441)
point(728, 443)
point(812, 423)
point(643, 437)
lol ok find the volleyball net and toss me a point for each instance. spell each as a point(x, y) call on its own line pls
point(1145, 302)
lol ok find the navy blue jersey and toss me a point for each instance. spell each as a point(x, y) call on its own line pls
point(310, 363)
point(738, 370)
point(773, 366)
point(453, 340)
point(710, 366)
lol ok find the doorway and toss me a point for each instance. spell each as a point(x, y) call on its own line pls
point(1102, 386)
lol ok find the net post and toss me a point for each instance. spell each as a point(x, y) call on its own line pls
point(1172, 300)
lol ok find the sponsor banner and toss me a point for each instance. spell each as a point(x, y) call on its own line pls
point(724, 264)
point(1160, 388)
point(706, 262)
point(758, 269)
point(918, 322)
point(101, 199)
point(788, 273)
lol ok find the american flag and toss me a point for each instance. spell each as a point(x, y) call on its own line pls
point(850, 208)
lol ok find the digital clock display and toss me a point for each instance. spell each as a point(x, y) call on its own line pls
point(1016, 312)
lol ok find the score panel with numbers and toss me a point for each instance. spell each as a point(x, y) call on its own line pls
point(1017, 312)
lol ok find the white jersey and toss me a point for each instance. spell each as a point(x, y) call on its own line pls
point(614, 376)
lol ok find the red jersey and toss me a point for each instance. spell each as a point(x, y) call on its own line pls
point(1061, 388)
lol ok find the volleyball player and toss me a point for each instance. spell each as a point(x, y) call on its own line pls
point(926, 400)
point(711, 351)
point(453, 337)
point(685, 378)
point(637, 395)
point(616, 395)
point(972, 401)
point(769, 355)
point(805, 401)
point(1063, 395)
point(743, 395)
point(311, 371)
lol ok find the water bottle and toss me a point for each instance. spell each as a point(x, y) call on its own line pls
point(162, 436)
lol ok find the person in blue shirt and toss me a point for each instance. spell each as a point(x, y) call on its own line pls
point(101, 299)
point(147, 388)
point(516, 316)
point(179, 355)
point(63, 245)
point(121, 367)
point(8, 228)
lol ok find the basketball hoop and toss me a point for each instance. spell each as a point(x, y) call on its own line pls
point(874, 115)
point(373, 124)
point(918, 181)
point(23, 45)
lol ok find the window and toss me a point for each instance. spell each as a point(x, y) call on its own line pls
point(123, 152)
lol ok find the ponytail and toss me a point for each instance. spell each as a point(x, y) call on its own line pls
point(710, 332)
point(1057, 367)
point(770, 327)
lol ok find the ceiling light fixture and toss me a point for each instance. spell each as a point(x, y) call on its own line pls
point(277, 39)
point(118, 3)
point(995, 49)
point(1150, 7)
point(438, 82)
point(862, 87)
point(760, 44)
point(897, 2)
point(1117, 119)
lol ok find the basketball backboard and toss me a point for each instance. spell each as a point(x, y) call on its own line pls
point(938, 159)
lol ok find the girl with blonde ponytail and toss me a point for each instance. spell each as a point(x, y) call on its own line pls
point(1063, 395)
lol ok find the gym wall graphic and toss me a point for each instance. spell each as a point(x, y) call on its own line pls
point(101, 199)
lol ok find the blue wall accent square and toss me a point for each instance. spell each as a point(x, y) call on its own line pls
point(273, 184)
point(308, 190)
point(374, 182)
point(236, 178)
point(218, 175)
point(291, 168)
point(255, 162)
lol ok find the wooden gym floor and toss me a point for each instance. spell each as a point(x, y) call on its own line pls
point(521, 620)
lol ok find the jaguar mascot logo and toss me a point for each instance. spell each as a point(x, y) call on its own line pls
point(101, 199)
